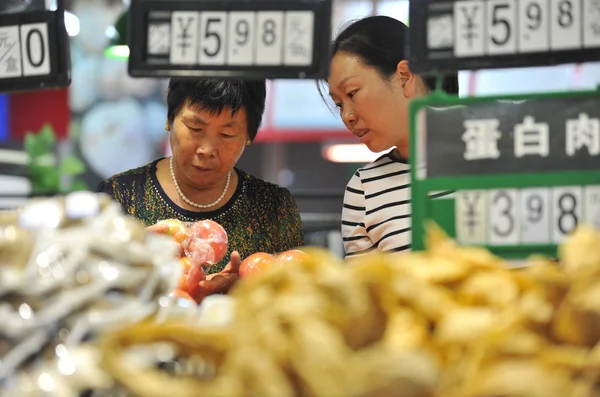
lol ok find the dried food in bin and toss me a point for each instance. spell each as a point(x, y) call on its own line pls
point(85, 267)
point(310, 328)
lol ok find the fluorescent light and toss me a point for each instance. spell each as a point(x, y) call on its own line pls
point(349, 153)
point(117, 52)
point(72, 24)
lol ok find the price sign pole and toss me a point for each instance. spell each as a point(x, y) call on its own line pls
point(230, 38)
point(524, 169)
point(34, 50)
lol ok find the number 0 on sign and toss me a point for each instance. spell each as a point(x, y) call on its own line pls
point(35, 49)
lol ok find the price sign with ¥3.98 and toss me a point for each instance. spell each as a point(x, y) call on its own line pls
point(230, 38)
point(523, 171)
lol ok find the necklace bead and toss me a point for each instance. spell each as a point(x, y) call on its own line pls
point(190, 202)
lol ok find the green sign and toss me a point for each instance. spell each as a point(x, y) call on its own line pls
point(513, 174)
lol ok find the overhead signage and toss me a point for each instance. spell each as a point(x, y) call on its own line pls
point(525, 170)
point(481, 34)
point(230, 38)
point(34, 51)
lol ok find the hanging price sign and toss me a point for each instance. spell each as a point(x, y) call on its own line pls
point(230, 38)
point(479, 34)
point(34, 51)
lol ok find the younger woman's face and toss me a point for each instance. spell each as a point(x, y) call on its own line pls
point(373, 109)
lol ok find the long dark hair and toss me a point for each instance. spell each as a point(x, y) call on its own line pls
point(381, 42)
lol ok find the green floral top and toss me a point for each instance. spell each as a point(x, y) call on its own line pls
point(260, 217)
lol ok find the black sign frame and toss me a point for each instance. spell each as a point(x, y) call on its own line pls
point(58, 46)
point(422, 61)
point(138, 27)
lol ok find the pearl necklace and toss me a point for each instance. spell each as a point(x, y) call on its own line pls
point(190, 202)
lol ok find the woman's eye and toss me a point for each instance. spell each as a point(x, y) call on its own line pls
point(227, 136)
point(338, 105)
point(194, 129)
point(351, 94)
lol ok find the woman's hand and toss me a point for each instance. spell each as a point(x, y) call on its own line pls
point(159, 228)
point(163, 228)
point(220, 283)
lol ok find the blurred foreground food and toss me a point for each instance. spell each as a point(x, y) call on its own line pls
point(70, 268)
point(86, 310)
point(448, 322)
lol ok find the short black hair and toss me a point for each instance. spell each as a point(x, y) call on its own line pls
point(215, 95)
point(382, 42)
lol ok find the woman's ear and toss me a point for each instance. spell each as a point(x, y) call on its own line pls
point(407, 78)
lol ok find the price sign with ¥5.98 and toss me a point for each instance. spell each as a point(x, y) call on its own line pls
point(477, 34)
point(230, 38)
point(34, 51)
point(524, 170)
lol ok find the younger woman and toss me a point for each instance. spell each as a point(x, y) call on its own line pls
point(371, 83)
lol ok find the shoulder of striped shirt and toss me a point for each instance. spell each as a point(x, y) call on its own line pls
point(386, 159)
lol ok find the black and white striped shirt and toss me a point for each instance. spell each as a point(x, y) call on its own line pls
point(376, 213)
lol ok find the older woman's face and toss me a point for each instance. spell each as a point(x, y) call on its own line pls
point(206, 146)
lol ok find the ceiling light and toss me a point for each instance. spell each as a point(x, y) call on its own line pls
point(349, 153)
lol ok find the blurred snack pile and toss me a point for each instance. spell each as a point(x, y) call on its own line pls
point(448, 322)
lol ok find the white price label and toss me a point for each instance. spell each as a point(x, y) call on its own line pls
point(269, 38)
point(502, 27)
point(35, 50)
point(159, 38)
point(566, 24)
point(591, 23)
point(592, 206)
point(212, 38)
point(184, 38)
point(440, 32)
point(240, 38)
point(567, 211)
point(504, 217)
point(299, 36)
point(471, 216)
point(10, 53)
point(533, 25)
point(469, 28)
point(535, 216)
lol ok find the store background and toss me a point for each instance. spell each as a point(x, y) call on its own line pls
point(115, 122)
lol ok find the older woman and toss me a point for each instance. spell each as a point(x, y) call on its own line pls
point(210, 123)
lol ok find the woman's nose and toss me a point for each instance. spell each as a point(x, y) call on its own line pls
point(205, 149)
point(349, 118)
